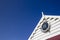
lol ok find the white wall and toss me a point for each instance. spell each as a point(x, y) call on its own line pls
point(37, 34)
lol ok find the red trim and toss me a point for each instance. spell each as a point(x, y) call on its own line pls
point(55, 38)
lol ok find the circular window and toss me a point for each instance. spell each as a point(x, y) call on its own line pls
point(45, 27)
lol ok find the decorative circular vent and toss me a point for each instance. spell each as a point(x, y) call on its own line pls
point(45, 27)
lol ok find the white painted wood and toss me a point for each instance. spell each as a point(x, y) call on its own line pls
point(37, 34)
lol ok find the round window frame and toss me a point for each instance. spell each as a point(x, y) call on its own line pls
point(47, 29)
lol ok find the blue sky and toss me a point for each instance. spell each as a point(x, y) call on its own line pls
point(18, 18)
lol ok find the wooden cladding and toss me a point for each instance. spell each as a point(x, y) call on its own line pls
point(53, 21)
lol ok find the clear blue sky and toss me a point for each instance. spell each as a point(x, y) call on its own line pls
point(18, 18)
